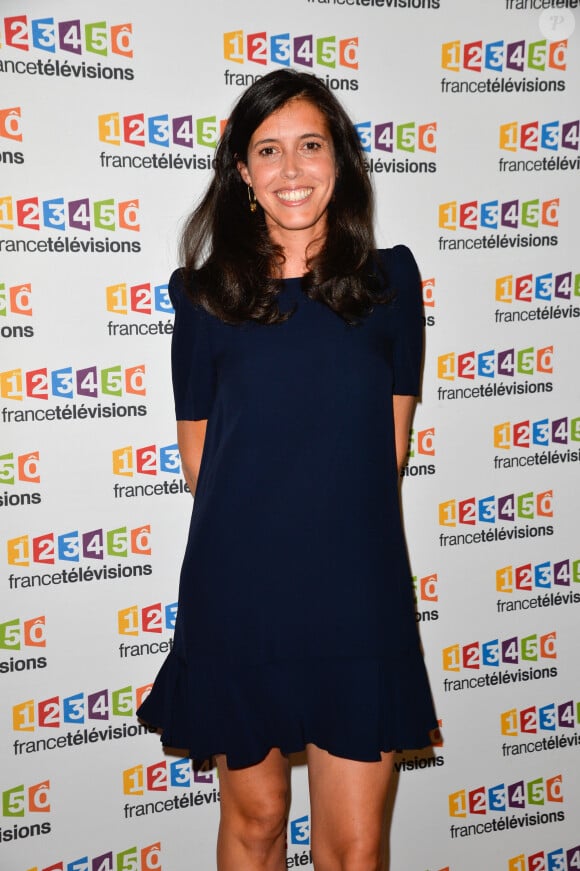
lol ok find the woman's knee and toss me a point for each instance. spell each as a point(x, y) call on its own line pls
point(260, 820)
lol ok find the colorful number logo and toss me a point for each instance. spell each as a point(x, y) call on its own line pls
point(138, 129)
point(17, 301)
point(493, 214)
point(31, 213)
point(10, 126)
point(160, 776)
point(503, 797)
point(499, 56)
point(389, 137)
point(66, 384)
point(150, 618)
point(544, 287)
point(15, 634)
point(426, 587)
point(133, 859)
point(45, 34)
point(55, 712)
point(140, 298)
point(494, 653)
point(534, 719)
point(282, 48)
point(71, 546)
point(541, 576)
point(532, 135)
point(492, 364)
point(526, 506)
point(18, 801)
point(22, 468)
point(148, 460)
point(536, 433)
point(555, 860)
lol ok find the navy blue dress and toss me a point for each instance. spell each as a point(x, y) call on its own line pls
point(296, 617)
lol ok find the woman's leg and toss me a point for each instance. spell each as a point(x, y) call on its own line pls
point(347, 805)
point(254, 813)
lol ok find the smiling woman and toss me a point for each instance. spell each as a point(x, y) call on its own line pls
point(232, 256)
point(296, 355)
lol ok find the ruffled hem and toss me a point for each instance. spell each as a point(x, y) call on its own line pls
point(352, 707)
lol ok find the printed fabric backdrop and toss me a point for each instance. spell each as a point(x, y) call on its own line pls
point(109, 115)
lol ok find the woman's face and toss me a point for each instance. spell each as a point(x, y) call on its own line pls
point(292, 169)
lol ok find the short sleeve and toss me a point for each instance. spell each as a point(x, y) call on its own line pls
point(407, 313)
point(192, 365)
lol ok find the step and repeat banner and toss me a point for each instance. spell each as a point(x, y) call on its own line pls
point(109, 116)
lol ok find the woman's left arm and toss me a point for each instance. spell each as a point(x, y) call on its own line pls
point(403, 409)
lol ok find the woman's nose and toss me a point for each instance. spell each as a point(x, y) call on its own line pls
point(290, 165)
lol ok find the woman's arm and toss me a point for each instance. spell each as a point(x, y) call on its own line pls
point(190, 439)
point(403, 408)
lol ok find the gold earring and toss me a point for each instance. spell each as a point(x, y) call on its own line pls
point(252, 199)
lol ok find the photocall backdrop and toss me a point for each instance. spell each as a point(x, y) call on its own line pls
point(109, 116)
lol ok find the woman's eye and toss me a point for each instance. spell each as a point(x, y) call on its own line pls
point(312, 146)
point(267, 151)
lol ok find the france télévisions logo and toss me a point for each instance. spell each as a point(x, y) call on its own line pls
point(393, 143)
point(499, 66)
point(541, 585)
point(146, 620)
point(149, 460)
point(62, 44)
point(159, 131)
point(493, 653)
point(16, 303)
point(71, 547)
point(69, 216)
point(493, 219)
point(543, 146)
point(305, 51)
point(168, 782)
point(490, 366)
point(492, 510)
point(503, 799)
point(16, 469)
point(19, 802)
point(146, 300)
point(559, 859)
point(132, 859)
point(538, 297)
point(544, 442)
point(540, 727)
point(22, 636)
point(162, 776)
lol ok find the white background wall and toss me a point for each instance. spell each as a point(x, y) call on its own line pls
point(82, 787)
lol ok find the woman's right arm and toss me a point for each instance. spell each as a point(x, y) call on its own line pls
point(190, 439)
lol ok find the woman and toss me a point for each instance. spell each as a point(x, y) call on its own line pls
point(296, 358)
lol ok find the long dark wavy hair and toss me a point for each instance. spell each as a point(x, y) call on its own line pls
point(230, 261)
